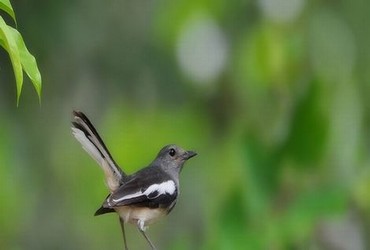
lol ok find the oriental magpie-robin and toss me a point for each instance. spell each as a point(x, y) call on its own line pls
point(140, 198)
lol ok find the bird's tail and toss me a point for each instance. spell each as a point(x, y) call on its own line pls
point(90, 140)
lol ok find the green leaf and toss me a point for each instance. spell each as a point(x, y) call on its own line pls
point(234, 223)
point(309, 208)
point(28, 61)
point(11, 47)
point(2, 43)
point(309, 129)
point(7, 7)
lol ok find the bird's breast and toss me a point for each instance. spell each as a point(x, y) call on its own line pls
point(148, 216)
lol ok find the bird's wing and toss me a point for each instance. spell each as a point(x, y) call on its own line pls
point(86, 134)
point(147, 190)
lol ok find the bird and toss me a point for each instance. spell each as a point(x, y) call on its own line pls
point(140, 198)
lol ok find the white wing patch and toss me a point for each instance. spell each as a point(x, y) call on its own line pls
point(165, 187)
point(168, 187)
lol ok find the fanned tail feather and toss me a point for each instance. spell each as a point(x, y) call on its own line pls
point(86, 134)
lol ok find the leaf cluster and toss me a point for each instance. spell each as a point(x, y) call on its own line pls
point(21, 59)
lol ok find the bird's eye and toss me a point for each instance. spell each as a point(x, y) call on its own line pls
point(172, 152)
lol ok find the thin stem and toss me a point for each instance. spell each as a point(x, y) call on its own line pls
point(147, 239)
point(123, 232)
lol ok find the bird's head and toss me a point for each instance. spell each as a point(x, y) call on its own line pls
point(173, 157)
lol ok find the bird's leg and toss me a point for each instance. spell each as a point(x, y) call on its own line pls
point(123, 232)
point(140, 226)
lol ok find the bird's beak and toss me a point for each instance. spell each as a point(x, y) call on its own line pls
point(189, 154)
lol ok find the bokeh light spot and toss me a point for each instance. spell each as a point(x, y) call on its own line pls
point(202, 50)
point(281, 11)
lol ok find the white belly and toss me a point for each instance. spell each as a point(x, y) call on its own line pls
point(139, 215)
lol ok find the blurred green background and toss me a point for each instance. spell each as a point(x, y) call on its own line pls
point(272, 94)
